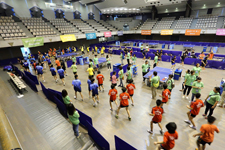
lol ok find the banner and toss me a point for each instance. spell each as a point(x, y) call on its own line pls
point(33, 42)
point(146, 32)
point(90, 36)
point(120, 33)
point(193, 32)
point(68, 37)
point(220, 32)
point(107, 34)
point(166, 32)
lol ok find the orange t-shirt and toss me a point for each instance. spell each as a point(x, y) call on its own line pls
point(201, 56)
point(157, 111)
point(130, 89)
point(100, 78)
point(112, 94)
point(165, 94)
point(196, 105)
point(124, 99)
point(208, 131)
point(57, 63)
point(211, 56)
point(168, 139)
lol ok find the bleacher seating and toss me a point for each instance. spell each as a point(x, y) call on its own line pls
point(120, 22)
point(82, 26)
point(9, 29)
point(37, 26)
point(63, 26)
point(207, 22)
point(107, 25)
point(148, 25)
point(183, 23)
point(165, 23)
point(98, 27)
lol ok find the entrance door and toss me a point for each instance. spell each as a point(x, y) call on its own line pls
point(25, 51)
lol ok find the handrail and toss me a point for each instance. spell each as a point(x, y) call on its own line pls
point(8, 139)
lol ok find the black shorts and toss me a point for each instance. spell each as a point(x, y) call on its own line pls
point(40, 73)
point(26, 67)
point(58, 67)
point(143, 53)
point(115, 84)
point(155, 122)
point(74, 72)
point(170, 90)
point(100, 84)
point(162, 147)
point(182, 60)
point(193, 115)
point(61, 77)
point(112, 100)
point(53, 74)
point(49, 63)
point(64, 68)
point(121, 106)
point(203, 142)
point(164, 102)
point(131, 95)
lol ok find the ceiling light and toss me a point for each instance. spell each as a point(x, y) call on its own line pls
point(219, 3)
point(121, 8)
point(176, 8)
point(125, 9)
point(134, 8)
point(166, 9)
point(107, 10)
point(204, 5)
point(116, 9)
point(112, 10)
point(129, 9)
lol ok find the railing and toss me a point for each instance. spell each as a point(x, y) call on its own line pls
point(8, 138)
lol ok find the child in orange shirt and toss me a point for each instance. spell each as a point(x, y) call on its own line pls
point(100, 79)
point(194, 110)
point(157, 112)
point(206, 134)
point(169, 137)
point(124, 103)
point(113, 94)
point(130, 90)
point(165, 94)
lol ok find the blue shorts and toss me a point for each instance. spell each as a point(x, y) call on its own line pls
point(173, 63)
point(61, 77)
point(94, 93)
point(77, 89)
point(40, 73)
point(53, 74)
point(97, 65)
point(89, 89)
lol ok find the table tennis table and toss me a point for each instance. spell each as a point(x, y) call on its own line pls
point(163, 73)
point(101, 62)
point(67, 55)
point(127, 43)
point(153, 45)
point(188, 47)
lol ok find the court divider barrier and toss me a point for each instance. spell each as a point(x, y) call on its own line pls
point(29, 82)
point(32, 77)
point(97, 137)
point(117, 71)
point(122, 145)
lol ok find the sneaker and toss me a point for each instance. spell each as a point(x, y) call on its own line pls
point(94, 105)
point(132, 104)
point(219, 105)
point(186, 97)
point(193, 127)
point(98, 101)
point(64, 84)
point(116, 116)
point(149, 131)
point(78, 136)
point(75, 97)
point(161, 132)
point(203, 114)
point(111, 109)
point(187, 121)
point(82, 99)
point(66, 74)
point(102, 90)
point(129, 118)
point(43, 80)
point(183, 96)
point(55, 81)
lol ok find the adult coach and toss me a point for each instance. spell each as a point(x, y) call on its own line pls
point(154, 83)
point(144, 69)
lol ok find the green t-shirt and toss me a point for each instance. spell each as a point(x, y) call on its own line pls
point(108, 60)
point(156, 59)
point(91, 63)
point(145, 67)
point(74, 118)
point(190, 79)
point(121, 73)
point(197, 70)
point(170, 83)
point(66, 99)
point(128, 55)
point(141, 47)
point(74, 59)
point(213, 97)
point(74, 67)
point(155, 80)
point(121, 56)
point(96, 61)
point(129, 75)
point(134, 58)
point(197, 84)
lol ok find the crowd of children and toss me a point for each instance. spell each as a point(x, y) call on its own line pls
point(192, 83)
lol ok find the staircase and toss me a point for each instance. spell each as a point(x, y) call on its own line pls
point(194, 22)
point(220, 23)
point(174, 24)
point(25, 30)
